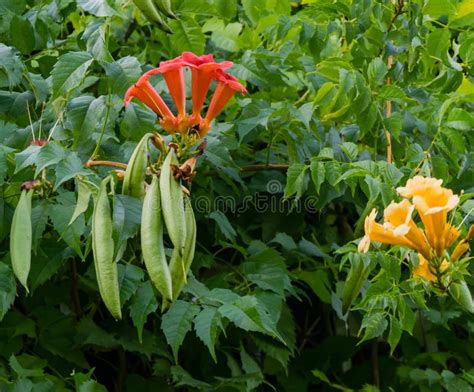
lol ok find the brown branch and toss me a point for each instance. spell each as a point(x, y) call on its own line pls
point(91, 163)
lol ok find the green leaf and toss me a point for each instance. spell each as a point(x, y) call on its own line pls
point(95, 36)
point(392, 91)
point(84, 382)
point(377, 71)
point(207, 325)
point(350, 149)
point(27, 365)
point(437, 44)
point(374, 325)
point(248, 314)
point(177, 322)
point(97, 7)
point(126, 217)
point(318, 173)
point(295, 180)
point(267, 270)
point(22, 34)
point(437, 8)
point(69, 72)
point(224, 225)
point(11, 68)
point(187, 35)
point(122, 74)
point(318, 282)
point(227, 8)
point(83, 197)
point(394, 334)
point(227, 38)
point(68, 168)
point(7, 289)
point(49, 154)
point(27, 157)
point(143, 303)
point(61, 216)
point(130, 277)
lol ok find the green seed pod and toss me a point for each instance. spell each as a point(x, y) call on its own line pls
point(179, 266)
point(462, 295)
point(172, 203)
point(152, 241)
point(103, 250)
point(21, 237)
point(165, 7)
point(360, 269)
point(134, 180)
point(151, 13)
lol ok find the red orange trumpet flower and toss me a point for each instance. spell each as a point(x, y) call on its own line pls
point(204, 70)
point(227, 86)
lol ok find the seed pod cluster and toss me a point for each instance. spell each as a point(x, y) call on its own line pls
point(167, 205)
point(164, 205)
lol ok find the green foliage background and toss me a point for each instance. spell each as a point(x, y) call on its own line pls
point(263, 308)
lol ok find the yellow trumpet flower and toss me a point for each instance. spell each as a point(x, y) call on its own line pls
point(432, 203)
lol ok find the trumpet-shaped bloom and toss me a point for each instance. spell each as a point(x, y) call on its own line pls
point(227, 86)
point(423, 269)
point(376, 232)
point(144, 91)
point(418, 185)
point(203, 70)
point(463, 246)
point(398, 218)
point(172, 71)
point(433, 207)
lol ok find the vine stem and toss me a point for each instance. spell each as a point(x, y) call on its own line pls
point(388, 114)
point(243, 169)
point(91, 163)
point(102, 131)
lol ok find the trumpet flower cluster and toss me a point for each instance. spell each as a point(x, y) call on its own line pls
point(204, 70)
point(433, 239)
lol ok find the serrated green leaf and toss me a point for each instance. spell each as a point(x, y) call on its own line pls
point(177, 322)
point(143, 303)
point(373, 325)
point(97, 7)
point(7, 289)
point(394, 334)
point(187, 35)
point(207, 325)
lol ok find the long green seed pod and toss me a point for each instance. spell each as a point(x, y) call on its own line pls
point(179, 266)
point(151, 13)
point(21, 237)
point(360, 269)
point(165, 7)
point(134, 180)
point(103, 250)
point(151, 234)
point(172, 203)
